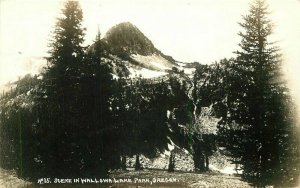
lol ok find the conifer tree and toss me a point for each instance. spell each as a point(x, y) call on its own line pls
point(257, 120)
point(96, 93)
point(59, 96)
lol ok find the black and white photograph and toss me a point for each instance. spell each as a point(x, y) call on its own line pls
point(149, 93)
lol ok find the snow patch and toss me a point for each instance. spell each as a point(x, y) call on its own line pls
point(171, 147)
point(168, 113)
point(189, 70)
point(186, 151)
point(155, 61)
point(145, 73)
point(182, 67)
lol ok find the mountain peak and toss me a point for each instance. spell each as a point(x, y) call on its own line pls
point(126, 37)
point(126, 24)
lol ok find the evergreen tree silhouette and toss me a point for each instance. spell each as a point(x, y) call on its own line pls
point(257, 120)
point(59, 97)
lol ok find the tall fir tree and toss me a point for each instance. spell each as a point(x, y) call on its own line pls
point(258, 123)
point(59, 97)
point(96, 93)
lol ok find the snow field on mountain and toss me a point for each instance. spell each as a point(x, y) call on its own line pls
point(155, 61)
point(145, 73)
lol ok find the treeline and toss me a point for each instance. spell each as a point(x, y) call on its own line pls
point(79, 121)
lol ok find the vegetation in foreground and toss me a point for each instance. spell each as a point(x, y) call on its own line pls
point(179, 179)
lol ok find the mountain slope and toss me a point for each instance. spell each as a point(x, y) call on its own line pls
point(128, 43)
point(127, 50)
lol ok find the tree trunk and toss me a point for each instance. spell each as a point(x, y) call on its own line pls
point(123, 162)
point(137, 162)
point(199, 161)
point(171, 167)
point(207, 163)
point(236, 168)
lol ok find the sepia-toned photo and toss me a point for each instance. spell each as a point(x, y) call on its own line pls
point(150, 93)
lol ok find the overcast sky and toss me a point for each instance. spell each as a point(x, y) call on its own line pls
point(188, 30)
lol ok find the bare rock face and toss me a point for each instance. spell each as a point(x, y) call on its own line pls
point(128, 43)
point(125, 37)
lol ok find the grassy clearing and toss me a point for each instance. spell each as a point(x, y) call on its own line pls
point(142, 179)
point(183, 179)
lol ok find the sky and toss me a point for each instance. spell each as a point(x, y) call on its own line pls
point(189, 30)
